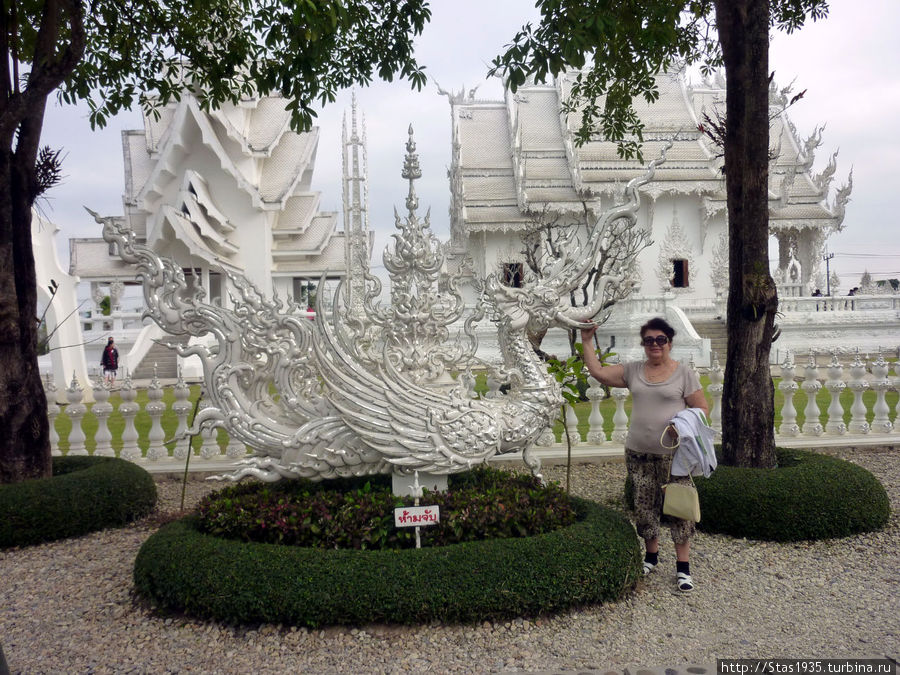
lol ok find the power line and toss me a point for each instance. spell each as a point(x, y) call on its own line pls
point(868, 255)
point(872, 273)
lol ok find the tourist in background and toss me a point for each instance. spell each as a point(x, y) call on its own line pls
point(109, 361)
point(660, 388)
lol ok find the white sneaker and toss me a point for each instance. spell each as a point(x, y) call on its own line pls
point(648, 567)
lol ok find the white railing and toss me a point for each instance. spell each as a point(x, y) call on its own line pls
point(840, 303)
point(118, 321)
point(789, 301)
point(700, 306)
point(872, 421)
point(791, 290)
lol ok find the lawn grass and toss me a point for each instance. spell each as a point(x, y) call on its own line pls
point(142, 423)
point(823, 398)
point(169, 421)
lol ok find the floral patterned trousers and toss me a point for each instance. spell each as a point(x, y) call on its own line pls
point(648, 474)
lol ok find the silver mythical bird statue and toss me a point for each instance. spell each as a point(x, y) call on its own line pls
point(327, 398)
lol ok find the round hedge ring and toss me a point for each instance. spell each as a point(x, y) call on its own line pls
point(808, 496)
point(84, 494)
point(597, 559)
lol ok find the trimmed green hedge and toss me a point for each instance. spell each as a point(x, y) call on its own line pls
point(83, 495)
point(595, 560)
point(809, 496)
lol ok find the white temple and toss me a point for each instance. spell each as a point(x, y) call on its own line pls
point(231, 189)
point(516, 159)
point(515, 164)
point(227, 190)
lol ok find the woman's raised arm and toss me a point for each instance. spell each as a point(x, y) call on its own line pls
point(611, 376)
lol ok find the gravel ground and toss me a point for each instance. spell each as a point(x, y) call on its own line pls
point(68, 607)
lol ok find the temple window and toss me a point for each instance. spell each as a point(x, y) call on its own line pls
point(513, 274)
point(192, 278)
point(215, 287)
point(680, 278)
point(304, 291)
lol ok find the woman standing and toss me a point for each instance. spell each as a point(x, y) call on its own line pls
point(109, 361)
point(660, 387)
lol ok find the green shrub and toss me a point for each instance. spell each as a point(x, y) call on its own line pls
point(596, 559)
point(83, 495)
point(484, 503)
point(809, 496)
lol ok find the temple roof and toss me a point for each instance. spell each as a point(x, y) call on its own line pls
point(206, 177)
point(518, 157)
point(225, 162)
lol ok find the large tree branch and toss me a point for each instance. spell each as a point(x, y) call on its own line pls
point(50, 68)
point(7, 51)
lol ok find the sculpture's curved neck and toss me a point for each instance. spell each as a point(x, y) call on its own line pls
point(534, 401)
point(518, 353)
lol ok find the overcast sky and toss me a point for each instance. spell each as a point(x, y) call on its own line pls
point(847, 63)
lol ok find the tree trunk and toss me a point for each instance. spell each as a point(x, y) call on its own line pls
point(24, 428)
point(748, 409)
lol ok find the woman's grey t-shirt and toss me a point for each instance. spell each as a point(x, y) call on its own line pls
point(653, 404)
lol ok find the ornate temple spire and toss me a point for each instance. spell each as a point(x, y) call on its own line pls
point(413, 330)
point(356, 210)
point(411, 172)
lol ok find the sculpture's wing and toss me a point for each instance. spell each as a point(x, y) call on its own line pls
point(411, 425)
point(259, 369)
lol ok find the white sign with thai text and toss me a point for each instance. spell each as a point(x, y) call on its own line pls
point(411, 516)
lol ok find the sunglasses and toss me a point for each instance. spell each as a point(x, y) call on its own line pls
point(659, 340)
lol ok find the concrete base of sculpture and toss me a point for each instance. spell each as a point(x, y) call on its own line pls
point(404, 485)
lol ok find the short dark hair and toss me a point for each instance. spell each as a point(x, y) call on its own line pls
point(657, 323)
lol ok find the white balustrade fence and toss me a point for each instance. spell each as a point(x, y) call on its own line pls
point(872, 420)
point(160, 448)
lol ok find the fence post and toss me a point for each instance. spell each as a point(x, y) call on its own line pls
point(181, 407)
point(788, 387)
point(235, 449)
point(493, 386)
point(128, 408)
point(155, 408)
point(715, 389)
point(835, 385)
point(52, 414)
point(858, 385)
point(881, 423)
point(102, 409)
point(546, 438)
point(811, 385)
point(572, 424)
point(596, 435)
point(76, 410)
point(620, 417)
point(897, 387)
point(209, 448)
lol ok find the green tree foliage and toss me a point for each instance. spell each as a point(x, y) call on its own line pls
point(572, 377)
point(116, 54)
point(618, 46)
